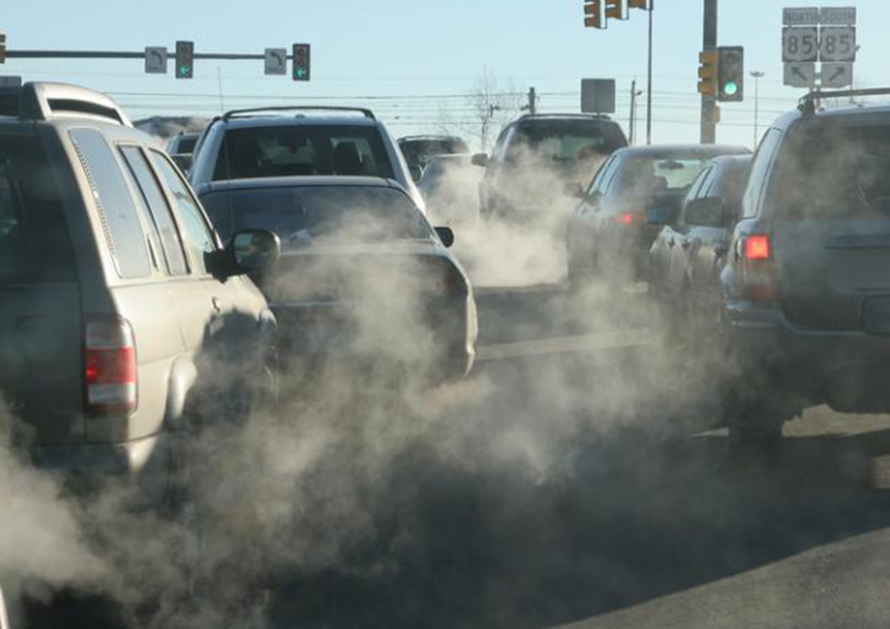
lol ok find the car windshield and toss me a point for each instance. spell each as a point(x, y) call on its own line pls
point(845, 169)
point(645, 175)
point(305, 214)
point(289, 150)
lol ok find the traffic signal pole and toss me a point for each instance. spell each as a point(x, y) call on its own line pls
point(649, 79)
point(708, 101)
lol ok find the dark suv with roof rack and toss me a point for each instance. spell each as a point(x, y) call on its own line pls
point(315, 141)
point(117, 298)
point(806, 285)
point(538, 158)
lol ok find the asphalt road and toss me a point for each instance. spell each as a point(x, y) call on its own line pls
point(589, 497)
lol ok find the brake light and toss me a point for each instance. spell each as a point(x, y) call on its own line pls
point(759, 270)
point(625, 218)
point(757, 247)
point(110, 372)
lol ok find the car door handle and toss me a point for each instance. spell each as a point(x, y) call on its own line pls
point(217, 307)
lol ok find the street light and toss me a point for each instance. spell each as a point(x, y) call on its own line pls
point(757, 75)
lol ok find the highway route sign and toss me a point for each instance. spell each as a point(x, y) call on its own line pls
point(837, 43)
point(800, 43)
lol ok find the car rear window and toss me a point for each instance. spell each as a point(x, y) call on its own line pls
point(34, 240)
point(566, 140)
point(834, 172)
point(186, 144)
point(285, 151)
point(301, 215)
point(643, 176)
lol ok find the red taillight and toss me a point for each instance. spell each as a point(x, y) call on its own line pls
point(757, 247)
point(759, 270)
point(625, 218)
point(109, 365)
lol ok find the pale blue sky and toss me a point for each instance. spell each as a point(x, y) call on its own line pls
point(415, 51)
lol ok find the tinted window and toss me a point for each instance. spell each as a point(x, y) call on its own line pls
point(34, 244)
point(301, 215)
point(126, 241)
point(565, 140)
point(161, 218)
point(762, 160)
point(646, 175)
point(186, 144)
point(198, 237)
point(834, 172)
point(422, 151)
point(302, 150)
point(599, 177)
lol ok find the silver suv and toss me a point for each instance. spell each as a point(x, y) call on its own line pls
point(251, 143)
point(116, 294)
point(807, 280)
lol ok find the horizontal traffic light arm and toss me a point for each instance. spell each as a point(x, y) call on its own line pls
point(117, 54)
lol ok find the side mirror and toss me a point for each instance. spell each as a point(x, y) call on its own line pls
point(416, 172)
point(574, 190)
point(253, 250)
point(661, 216)
point(708, 212)
point(479, 159)
point(183, 160)
point(445, 235)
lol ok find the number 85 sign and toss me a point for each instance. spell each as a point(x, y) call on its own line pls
point(800, 43)
point(838, 43)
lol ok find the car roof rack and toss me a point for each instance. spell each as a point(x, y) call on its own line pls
point(565, 115)
point(256, 110)
point(47, 101)
point(807, 103)
point(430, 136)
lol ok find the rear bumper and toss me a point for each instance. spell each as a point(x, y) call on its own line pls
point(327, 332)
point(850, 370)
point(87, 468)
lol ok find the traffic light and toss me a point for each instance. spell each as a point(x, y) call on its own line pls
point(185, 59)
point(731, 81)
point(646, 5)
point(707, 72)
point(615, 9)
point(2, 47)
point(594, 13)
point(301, 62)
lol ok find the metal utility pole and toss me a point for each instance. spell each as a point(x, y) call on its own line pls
point(709, 103)
point(756, 74)
point(532, 101)
point(649, 79)
point(633, 110)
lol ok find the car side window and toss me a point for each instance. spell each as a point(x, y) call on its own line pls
point(197, 234)
point(609, 177)
point(126, 240)
point(763, 159)
point(600, 174)
point(160, 215)
point(696, 190)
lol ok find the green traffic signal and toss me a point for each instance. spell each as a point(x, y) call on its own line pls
point(731, 88)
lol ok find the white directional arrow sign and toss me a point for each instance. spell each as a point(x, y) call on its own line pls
point(836, 75)
point(801, 74)
point(276, 60)
point(155, 60)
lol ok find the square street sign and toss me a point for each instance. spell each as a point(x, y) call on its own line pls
point(800, 74)
point(842, 16)
point(800, 16)
point(598, 96)
point(836, 75)
point(155, 60)
point(276, 60)
point(800, 43)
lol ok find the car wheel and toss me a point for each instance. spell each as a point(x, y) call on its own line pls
point(754, 423)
